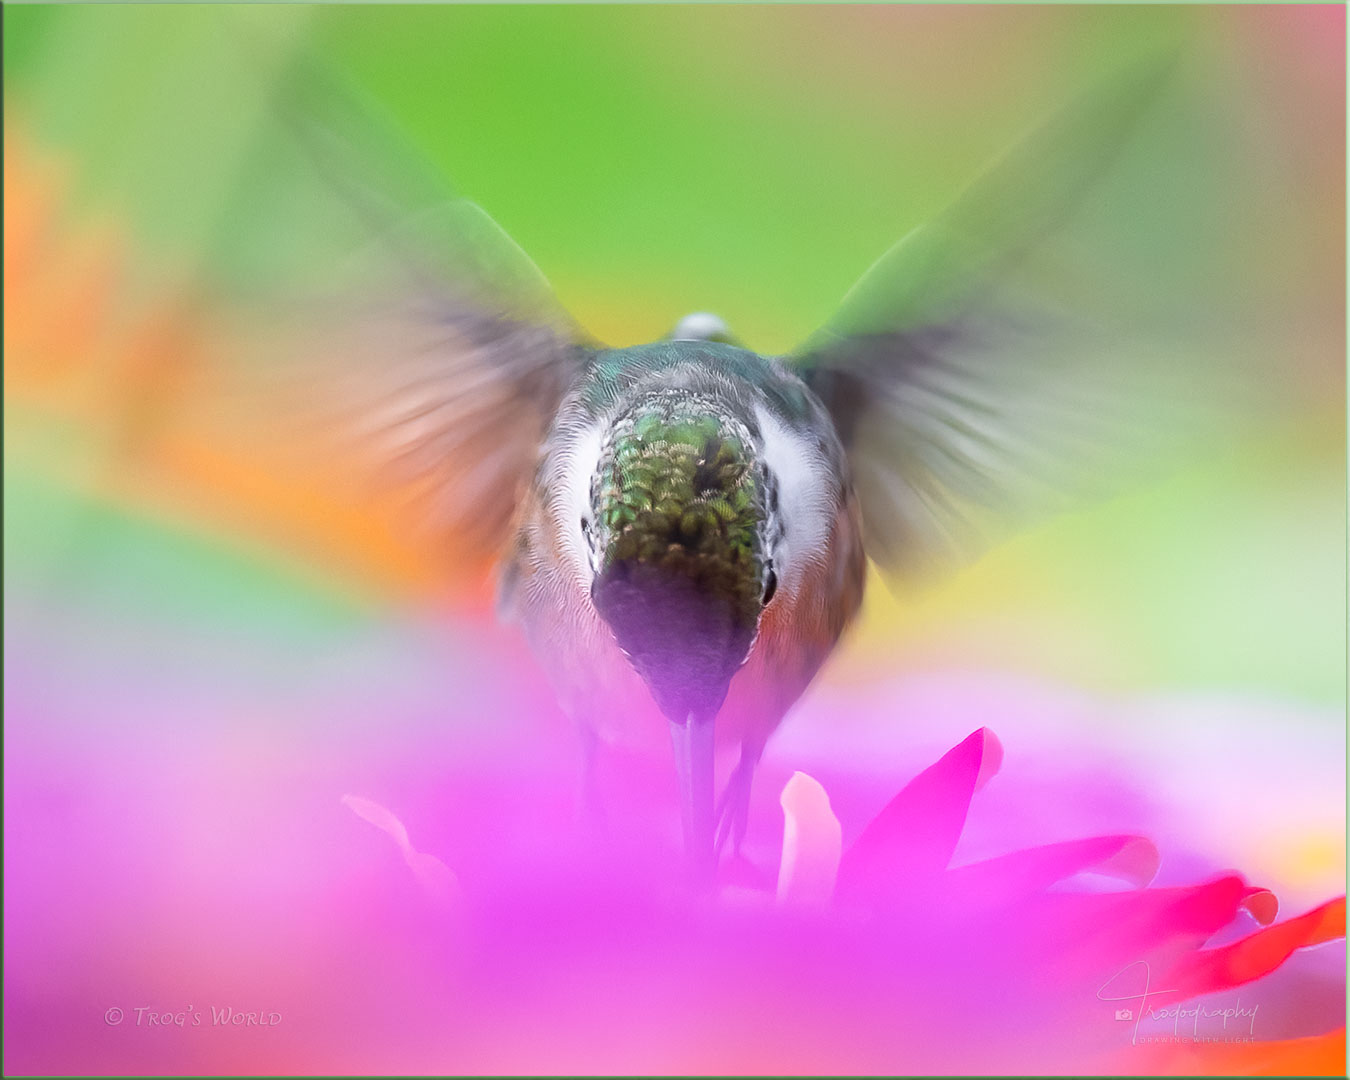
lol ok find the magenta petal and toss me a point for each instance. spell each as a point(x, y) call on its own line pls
point(437, 879)
point(1144, 924)
point(1262, 905)
point(1257, 954)
point(916, 833)
point(1132, 859)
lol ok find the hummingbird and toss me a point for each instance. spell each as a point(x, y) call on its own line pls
point(691, 526)
point(683, 528)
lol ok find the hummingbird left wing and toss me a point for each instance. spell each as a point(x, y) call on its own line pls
point(316, 345)
point(441, 382)
point(977, 385)
point(434, 359)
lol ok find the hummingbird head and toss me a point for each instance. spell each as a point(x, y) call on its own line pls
point(678, 534)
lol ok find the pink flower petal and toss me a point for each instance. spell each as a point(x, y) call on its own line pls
point(1257, 954)
point(381, 818)
point(1132, 859)
point(916, 833)
point(432, 875)
point(1111, 929)
point(812, 842)
point(1262, 904)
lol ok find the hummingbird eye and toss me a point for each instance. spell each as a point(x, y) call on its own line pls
point(770, 587)
point(585, 524)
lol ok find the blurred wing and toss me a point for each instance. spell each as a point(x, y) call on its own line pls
point(437, 356)
point(980, 378)
point(436, 387)
point(302, 338)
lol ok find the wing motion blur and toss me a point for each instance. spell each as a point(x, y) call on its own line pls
point(980, 379)
point(286, 319)
point(438, 353)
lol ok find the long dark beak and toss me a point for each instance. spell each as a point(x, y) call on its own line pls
point(693, 744)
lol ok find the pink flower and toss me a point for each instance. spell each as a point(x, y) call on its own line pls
point(882, 957)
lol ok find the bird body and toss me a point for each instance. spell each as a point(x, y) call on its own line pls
point(806, 511)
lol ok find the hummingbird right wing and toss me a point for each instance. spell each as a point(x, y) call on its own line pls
point(978, 381)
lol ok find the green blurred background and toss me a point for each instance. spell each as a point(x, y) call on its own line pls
point(751, 160)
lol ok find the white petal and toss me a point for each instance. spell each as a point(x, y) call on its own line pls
point(812, 844)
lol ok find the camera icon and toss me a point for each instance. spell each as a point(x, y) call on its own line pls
point(1124, 1014)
